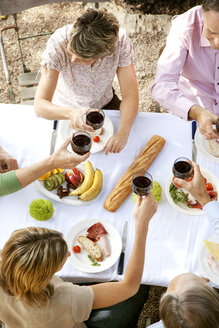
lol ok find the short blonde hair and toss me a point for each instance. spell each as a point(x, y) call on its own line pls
point(94, 35)
point(29, 259)
point(197, 307)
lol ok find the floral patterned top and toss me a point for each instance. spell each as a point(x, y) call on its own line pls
point(84, 85)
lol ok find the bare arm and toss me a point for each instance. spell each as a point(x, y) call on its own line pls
point(128, 108)
point(108, 294)
point(45, 108)
point(61, 158)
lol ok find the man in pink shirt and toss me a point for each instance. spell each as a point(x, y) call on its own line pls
point(187, 78)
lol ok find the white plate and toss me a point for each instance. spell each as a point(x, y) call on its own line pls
point(80, 260)
point(66, 131)
point(203, 261)
point(182, 207)
point(202, 146)
point(52, 194)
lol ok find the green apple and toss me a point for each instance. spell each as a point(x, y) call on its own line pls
point(156, 191)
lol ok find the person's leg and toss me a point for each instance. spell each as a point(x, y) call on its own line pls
point(121, 315)
point(114, 103)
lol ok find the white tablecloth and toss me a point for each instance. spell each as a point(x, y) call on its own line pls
point(174, 239)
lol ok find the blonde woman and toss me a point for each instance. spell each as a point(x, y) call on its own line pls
point(32, 296)
point(79, 65)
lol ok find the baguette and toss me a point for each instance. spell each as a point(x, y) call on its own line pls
point(93, 249)
point(142, 162)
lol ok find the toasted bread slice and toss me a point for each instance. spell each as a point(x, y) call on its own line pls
point(214, 147)
point(91, 247)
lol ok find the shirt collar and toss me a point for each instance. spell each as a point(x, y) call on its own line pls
point(203, 41)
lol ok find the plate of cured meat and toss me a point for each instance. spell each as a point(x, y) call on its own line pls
point(95, 245)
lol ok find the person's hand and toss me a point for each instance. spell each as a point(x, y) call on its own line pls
point(196, 187)
point(7, 162)
point(145, 208)
point(76, 117)
point(65, 159)
point(116, 143)
point(205, 120)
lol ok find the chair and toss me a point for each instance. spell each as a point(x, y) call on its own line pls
point(28, 84)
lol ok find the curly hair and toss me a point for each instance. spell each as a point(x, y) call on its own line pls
point(94, 35)
point(197, 307)
point(29, 259)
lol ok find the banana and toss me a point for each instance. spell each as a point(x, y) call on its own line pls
point(88, 180)
point(95, 188)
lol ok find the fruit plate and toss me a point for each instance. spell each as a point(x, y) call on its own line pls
point(80, 261)
point(182, 207)
point(203, 147)
point(203, 261)
point(71, 200)
point(66, 131)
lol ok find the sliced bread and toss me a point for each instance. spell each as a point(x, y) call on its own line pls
point(93, 249)
point(214, 147)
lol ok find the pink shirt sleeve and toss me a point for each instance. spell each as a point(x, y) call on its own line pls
point(165, 87)
point(126, 50)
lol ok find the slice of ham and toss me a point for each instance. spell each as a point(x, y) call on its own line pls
point(96, 233)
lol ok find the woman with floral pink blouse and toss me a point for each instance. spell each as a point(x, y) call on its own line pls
point(79, 65)
point(187, 78)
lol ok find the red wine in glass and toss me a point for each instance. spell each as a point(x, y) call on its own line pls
point(182, 168)
point(81, 142)
point(95, 118)
point(142, 183)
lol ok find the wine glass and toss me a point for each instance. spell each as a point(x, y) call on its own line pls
point(142, 183)
point(95, 118)
point(81, 142)
point(182, 168)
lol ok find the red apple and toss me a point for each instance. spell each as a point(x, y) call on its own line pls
point(70, 178)
point(76, 173)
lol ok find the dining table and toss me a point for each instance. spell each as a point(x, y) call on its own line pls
point(174, 238)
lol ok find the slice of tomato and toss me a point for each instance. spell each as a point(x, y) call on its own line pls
point(76, 249)
point(196, 205)
point(209, 186)
point(205, 179)
point(212, 194)
point(176, 184)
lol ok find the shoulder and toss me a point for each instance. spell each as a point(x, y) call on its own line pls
point(188, 20)
point(68, 288)
point(61, 34)
point(123, 35)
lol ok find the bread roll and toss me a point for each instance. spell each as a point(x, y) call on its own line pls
point(214, 147)
point(141, 163)
point(91, 247)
